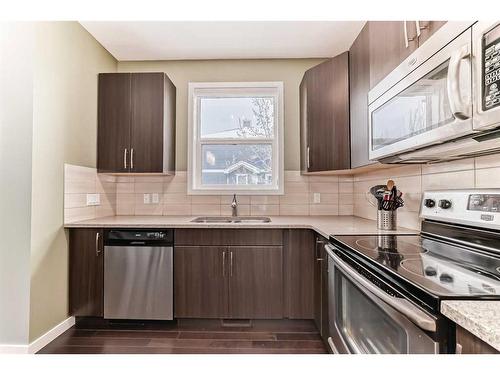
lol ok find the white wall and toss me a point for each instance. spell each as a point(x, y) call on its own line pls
point(16, 115)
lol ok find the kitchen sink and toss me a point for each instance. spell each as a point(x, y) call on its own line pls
point(232, 219)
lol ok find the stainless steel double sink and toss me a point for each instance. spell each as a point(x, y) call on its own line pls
point(232, 219)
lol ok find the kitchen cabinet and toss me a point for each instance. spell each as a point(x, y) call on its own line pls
point(321, 287)
point(200, 288)
point(255, 280)
point(299, 263)
point(467, 343)
point(391, 42)
point(324, 103)
point(86, 272)
point(221, 273)
point(359, 83)
point(136, 123)
point(427, 28)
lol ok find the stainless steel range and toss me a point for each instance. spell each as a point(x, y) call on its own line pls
point(385, 291)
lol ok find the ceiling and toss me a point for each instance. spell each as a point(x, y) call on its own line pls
point(162, 40)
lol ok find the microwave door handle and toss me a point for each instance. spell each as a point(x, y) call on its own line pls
point(416, 315)
point(459, 109)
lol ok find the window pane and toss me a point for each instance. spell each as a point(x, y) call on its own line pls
point(237, 117)
point(237, 164)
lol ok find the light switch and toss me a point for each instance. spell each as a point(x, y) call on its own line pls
point(93, 199)
point(317, 197)
point(147, 198)
point(156, 198)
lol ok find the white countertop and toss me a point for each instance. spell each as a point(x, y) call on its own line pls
point(481, 318)
point(324, 225)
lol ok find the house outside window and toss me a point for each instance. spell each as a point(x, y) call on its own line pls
point(235, 138)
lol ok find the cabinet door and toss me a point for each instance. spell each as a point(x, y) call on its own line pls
point(146, 134)
point(200, 288)
point(359, 81)
point(86, 272)
point(328, 115)
point(427, 28)
point(256, 282)
point(317, 284)
point(299, 273)
point(324, 294)
point(388, 47)
point(113, 128)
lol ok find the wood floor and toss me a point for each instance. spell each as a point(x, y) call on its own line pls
point(192, 337)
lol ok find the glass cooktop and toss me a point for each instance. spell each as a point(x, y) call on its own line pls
point(441, 268)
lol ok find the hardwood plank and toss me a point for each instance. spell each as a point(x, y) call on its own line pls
point(287, 336)
point(163, 350)
point(228, 335)
point(136, 334)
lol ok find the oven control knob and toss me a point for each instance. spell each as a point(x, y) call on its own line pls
point(430, 271)
point(429, 203)
point(444, 204)
point(446, 278)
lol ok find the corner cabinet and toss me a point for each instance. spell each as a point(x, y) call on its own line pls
point(359, 82)
point(86, 272)
point(324, 117)
point(136, 123)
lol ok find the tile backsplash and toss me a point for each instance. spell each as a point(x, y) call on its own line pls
point(413, 180)
point(339, 195)
point(124, 195)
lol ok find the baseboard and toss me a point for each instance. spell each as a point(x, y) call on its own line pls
point(40, 342)
point(51, 335)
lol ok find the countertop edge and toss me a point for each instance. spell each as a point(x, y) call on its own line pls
point(462, 316)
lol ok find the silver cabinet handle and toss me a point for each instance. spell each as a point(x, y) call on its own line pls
point(224, 263)
point(407, 40)
point(131, 158)
point(308, 157)
point(417, 24)
point(413, 313)
point(459, 109)
point(458, 348)
point(332, 346)
point(231, 267)
point(125, 159)
point(97, 250)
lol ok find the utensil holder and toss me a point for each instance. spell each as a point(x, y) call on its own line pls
point(387, 220)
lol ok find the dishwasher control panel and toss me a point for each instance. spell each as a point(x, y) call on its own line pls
point(139, 236)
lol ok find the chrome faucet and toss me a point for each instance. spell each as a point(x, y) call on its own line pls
point(234, 206)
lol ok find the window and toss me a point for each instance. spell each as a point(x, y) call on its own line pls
point(235, 138)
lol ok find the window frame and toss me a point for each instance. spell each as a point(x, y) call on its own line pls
point(197, 90)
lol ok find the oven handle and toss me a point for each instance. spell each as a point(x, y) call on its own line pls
point(405, 307)
point(459, 109)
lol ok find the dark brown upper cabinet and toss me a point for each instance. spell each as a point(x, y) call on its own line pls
point(359, 81)
point(86, 272)
point(324, 103)
point(391, 42)
point(136, 123)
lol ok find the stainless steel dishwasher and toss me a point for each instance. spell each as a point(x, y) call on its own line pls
point(138, 274)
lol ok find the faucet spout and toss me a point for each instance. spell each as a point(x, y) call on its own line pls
point(234, 206)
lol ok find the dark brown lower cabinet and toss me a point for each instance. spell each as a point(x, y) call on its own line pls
point(467, 343)
point(241, 282)
point(321, 287)
point(200, 288)
point(255, 282)
point(86, 272)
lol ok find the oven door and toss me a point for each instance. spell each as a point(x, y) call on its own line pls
point(365, 318)
point(432, 104)
point(486, 75)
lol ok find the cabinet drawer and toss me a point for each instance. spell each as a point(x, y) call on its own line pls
point(228, 237)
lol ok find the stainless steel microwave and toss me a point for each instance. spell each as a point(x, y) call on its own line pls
point(443, 102)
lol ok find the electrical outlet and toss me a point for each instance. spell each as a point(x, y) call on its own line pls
point(93, 199)
point(317, 197)
point(147, 198)
point(155, 198)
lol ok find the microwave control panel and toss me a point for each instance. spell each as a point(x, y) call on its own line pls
point(491, 69)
